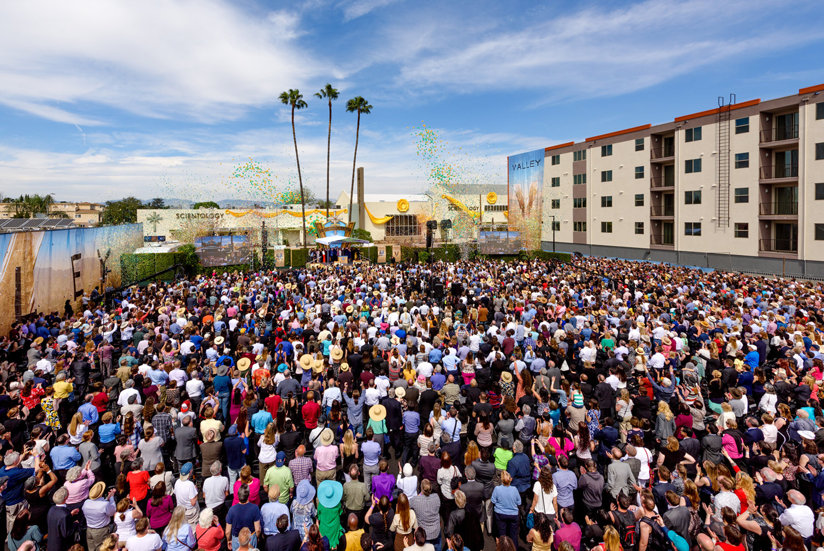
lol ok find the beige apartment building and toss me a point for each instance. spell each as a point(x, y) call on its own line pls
point(738, 187)
point(84, 214)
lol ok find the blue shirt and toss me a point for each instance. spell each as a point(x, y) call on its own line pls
point(64, 457)
point(13, 494)
point(506, 499)
point(108, 432)
point(411, 422)
point(371, 453)
point(260, 421)
point(271, 513)
point(566, 483)
point(223, 384)
point(89, 412)
point(158, 376)
point(438, 380)
point(435, 356)
point(235, 458)
point(242, 516)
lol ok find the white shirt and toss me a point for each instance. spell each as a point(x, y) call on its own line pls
point(799, 517)
point(149, 542)
point(185, 490)
point(214, 490)
point(194, 387)
point(657, 361)
point(544, 504)
point(123, 399)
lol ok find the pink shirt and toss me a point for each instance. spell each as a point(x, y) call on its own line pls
point(325, 456)
point(79, 489)
point(254, 491)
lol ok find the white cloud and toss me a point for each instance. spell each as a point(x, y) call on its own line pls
point(605, 49)
point(201, 59)
point(352, 9)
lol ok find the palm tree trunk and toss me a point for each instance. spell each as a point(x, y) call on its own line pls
point(328, 149)
point(354, 162)
point(300, 178)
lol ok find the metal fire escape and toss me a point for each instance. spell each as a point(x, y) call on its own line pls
point(722, 215)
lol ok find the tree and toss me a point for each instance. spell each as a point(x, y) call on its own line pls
point(294, 99)
point(27, 206)
point(123, 211)
point(360, 233)
point(361, 106)
point(206, 205)
point(329, 93)
point(156, 203)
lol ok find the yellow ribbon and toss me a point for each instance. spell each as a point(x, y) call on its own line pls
point(377, 221)
point(461, 206)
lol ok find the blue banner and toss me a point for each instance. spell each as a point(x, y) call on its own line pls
point(525, 189)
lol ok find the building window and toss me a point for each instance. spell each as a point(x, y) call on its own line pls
point(742, 195)
point(579, 155)
point(606, 176)
point(606, 150)
point(819, 111)
point(692, 197)
point(556, 159)
point(639, 172)
point(402, 225)
point(606, 201)
point(556, 203)
point(742, 126)
point(819, 232)
point(606, 227)
point(579, 203)
point(639, 199)
point(692, 165)
point(742, 160)
point(556, 225)
point(578, 179)
point(819, 151)
point(579, 226)
point(692, 228)
point(639, 228)
point(556, 181)
point(639, 144)
point(819, 192)
point(496, 208)
point(742, 230)
point(692, 134)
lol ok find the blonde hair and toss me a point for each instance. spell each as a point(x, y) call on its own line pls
point(350, 447)
point(177, 520)
point(77, 420)
point(664, 408)
point(744, 482)
point(612, 541)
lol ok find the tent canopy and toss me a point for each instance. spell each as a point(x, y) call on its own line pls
point(339, 240)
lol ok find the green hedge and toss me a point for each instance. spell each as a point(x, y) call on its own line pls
point(298, 258)
point(137, 267)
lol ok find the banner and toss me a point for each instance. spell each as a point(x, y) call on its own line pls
point(525, 190)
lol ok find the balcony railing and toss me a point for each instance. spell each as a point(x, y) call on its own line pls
point(661, 240)
point(662, 152)
point(778, 134)
point(788, 208)
point(662, 181)
point(661, 210)
point(770, 172)
point(784, 245)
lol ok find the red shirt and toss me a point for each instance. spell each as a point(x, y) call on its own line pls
point(273, 404)
point(311, 411)
point(100, 401)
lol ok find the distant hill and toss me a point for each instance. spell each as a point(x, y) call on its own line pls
point(224, 203)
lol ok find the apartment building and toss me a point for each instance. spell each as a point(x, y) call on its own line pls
point(738, 187)
point(84, 214)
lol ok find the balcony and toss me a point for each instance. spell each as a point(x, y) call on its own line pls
point(774, 174)
point(662, 183)
point(779, 136)
point(658, 241)
point(780, 246)
point(662, 154)
point(661, 211)
point(779, 209)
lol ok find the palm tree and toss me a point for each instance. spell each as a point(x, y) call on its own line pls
point(295, 99)
point(361, 106)
point(329, 93)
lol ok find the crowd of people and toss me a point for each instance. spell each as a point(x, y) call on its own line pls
point(601, 404)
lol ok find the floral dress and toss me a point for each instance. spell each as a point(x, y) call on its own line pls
point(303, 516)
point(51, 412)
point(593, 418)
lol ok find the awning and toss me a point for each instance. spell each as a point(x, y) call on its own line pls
point(339, 240)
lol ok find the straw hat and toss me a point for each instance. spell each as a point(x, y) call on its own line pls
point(97, 490)
point(306, 361)
point(77, 324)
point(350, 309)
point(38, 340)
point(317, 366)
point(327, 437)
point(336, 353)
point(243, 364)
point(395, 340)
point(325, 334)
point(400, 392)
point(344, 367)
point(219, 340)
point(377, 413)
point(506, 377)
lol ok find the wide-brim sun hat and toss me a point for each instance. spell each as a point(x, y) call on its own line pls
point(336, 353)
point(317, 366)
point(400, 392)
point(344, 366)
point(222, 371)
point(330, 493)
point(97, 490)
point(219, 340)
point(325, 334)
point(506, 377)
point(377, 413)
point(327, 437)
point(243, 364)
point(306, 361)
point(305, 492)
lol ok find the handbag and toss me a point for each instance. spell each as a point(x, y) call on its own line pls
point(530, 518)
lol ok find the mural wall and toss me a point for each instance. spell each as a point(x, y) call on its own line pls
point(39, 271)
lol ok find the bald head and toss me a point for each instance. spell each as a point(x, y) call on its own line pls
point(796, 497)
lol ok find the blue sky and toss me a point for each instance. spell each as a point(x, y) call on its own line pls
point(103, 99)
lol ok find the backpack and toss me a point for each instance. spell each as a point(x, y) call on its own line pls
point(625, 522)
point(658, 539)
